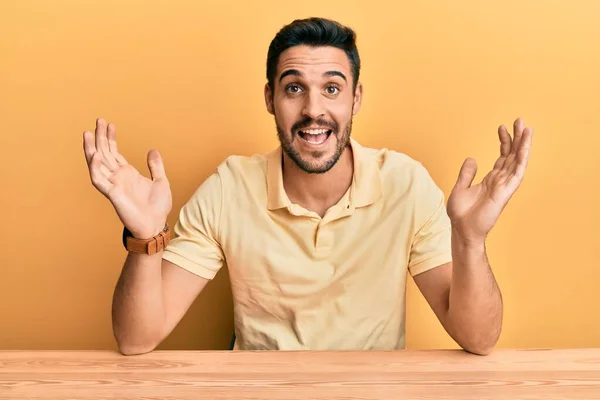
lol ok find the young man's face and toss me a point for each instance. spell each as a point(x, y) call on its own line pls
point(313, 102)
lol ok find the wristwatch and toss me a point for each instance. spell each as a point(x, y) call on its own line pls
point(146, 246)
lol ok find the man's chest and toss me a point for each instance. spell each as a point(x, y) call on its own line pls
point(297, 256)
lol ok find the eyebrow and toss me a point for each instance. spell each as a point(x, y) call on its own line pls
point(335, 73)
point(295, 72)
point(289, 72)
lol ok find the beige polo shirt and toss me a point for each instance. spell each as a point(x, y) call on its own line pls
point(300, 281)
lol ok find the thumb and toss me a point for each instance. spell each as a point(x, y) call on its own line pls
point(156, 166)
point(467, 174)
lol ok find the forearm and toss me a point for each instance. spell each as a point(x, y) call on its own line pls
point(138, 310)
point(475, 302)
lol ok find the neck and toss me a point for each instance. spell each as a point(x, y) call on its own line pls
point(318, 192)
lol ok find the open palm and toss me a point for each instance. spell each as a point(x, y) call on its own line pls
point(474, 209)
point(141, 203)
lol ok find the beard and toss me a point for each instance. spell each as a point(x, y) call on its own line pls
point(315, 164)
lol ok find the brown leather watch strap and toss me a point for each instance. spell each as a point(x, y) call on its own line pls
point(147, 246)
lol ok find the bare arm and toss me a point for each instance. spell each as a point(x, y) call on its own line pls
point(465, 298)
point(151, 297)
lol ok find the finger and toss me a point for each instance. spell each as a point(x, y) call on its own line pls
point(112, 139)
point(524, 149)
point(97, 165)
point(517, 133)
point(102, 144)
point(100, 174)
point(522, 160)
point(100, 132)
point(505, 141)
point(89, 146)
point(505, 147)
point(112, 144)
point(526, 140)
point(467, 174)
point(156, 166)
point(517, 158)
point(509, 164)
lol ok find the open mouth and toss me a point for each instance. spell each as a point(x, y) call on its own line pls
point(314, 136)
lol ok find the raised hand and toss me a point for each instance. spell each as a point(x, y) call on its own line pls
point(474, 209)
point(141, 203)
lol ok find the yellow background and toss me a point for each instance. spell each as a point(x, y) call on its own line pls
point(186, 77)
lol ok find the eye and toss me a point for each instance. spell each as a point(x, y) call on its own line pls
point(332, 89)
point(293, 88)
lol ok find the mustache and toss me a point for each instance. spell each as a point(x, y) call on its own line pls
point(305, 123)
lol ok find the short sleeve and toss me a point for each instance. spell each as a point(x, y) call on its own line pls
point(195, 245)
point(431, 246)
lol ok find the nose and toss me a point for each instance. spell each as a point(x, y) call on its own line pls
point(313, 106)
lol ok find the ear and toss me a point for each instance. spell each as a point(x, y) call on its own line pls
point(358, 92)
point(269, 99)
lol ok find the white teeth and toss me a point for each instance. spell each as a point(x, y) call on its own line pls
point(315, 136)
point(315, 131)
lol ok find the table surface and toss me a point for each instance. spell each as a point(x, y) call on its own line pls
point(241, 375)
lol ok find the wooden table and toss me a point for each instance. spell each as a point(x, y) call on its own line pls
point(443, 374)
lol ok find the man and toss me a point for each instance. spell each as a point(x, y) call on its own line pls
point(319, 234)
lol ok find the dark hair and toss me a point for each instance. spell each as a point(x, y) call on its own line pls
point(313, 32)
